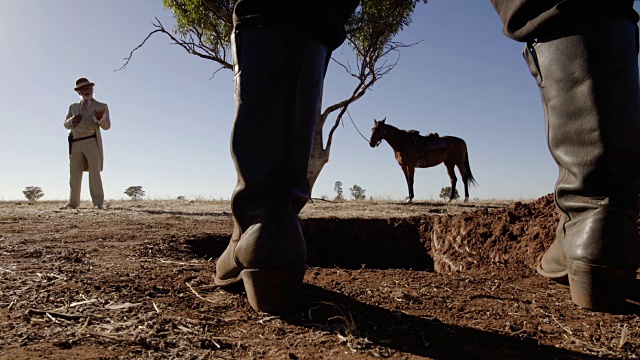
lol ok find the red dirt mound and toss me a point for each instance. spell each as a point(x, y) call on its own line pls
point(486, 240)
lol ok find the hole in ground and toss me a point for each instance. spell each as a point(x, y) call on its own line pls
point(372, 243)
point(349, 244)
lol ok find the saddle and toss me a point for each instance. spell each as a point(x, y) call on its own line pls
point(422, 143)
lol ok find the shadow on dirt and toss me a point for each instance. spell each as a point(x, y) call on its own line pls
point(225, 214)
point(381, 332)
point(209, 246)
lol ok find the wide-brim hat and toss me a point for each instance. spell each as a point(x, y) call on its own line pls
point(82, 82)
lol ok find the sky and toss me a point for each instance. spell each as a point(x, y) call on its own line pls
point(172, 117)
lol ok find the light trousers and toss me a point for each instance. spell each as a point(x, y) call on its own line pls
point(85, 152)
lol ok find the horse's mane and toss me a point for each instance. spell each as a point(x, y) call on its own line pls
point(393, 127)
point(410, 132)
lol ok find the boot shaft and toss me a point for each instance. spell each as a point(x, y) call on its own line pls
point(278, 90)
point(590, 90)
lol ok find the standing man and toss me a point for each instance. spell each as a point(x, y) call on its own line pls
point(84, 120)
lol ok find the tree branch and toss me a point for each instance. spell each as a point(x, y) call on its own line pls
point(190, 46)
point(136, 48)
point(215, 9)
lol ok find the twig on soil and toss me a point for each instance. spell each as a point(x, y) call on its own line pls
point(623, 337)
point(85, 324)
point(311, 309)
point(121, 306)
point(139, 342)
point(83, 302)
point(350, 328)
point(557, 322)
point(268, 318)
point(155, 306)
point(179, 263)
point(185, 329)
point(51, 274)
point(55, 314)
point(198, 295)
point(52, 318)
point(207, 286)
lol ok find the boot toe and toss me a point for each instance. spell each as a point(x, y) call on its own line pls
point(559, 276)
point(227, 271)
point(553, 264)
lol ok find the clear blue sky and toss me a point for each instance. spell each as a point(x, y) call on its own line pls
point(171, 121)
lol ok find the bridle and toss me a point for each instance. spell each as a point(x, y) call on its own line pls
point(382, 135)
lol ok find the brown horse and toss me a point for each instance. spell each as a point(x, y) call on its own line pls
point(409, 148)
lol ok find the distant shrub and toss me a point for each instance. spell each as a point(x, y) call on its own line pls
point(338, 189)
point(357, 192)
point(135, 192)
point(33, 193)
point(446, 191)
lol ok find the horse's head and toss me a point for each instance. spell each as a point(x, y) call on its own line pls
point(377, 133)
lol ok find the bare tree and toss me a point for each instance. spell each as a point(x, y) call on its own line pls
point(203, 29)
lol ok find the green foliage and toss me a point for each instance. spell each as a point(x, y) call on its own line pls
point(208, 31)
point(135, 192)
point(205, 27)
point(446, 192)
point(375, 23)
point(357, 192)
point(33, 193)
point(338, 189)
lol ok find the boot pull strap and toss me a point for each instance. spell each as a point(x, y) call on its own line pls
point(530, 56)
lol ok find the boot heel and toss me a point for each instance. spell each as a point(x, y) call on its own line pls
point(273, 291)
point(599, 288)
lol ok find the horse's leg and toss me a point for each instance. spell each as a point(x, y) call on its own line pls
point(411, 171)
point(452, 175)
point(465, 181)
point(460, 163)
point(408, 175)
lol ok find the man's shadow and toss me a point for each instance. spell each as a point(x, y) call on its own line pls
point(381, 332)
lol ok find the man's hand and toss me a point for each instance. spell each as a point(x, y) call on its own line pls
point(98, 114)
point(76, 119)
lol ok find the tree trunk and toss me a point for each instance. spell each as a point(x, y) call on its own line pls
point(319, 155)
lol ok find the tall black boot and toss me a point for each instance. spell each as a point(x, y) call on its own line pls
point(279, 78)
point(590, 92)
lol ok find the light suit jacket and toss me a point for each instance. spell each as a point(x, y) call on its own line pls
point(88, 123)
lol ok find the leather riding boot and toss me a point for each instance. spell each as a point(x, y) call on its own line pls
point(279, 74)
point(590, 92)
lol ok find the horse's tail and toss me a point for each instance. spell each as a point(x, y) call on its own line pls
point(467, 168)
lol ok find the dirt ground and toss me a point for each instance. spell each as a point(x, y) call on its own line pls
point(386, 280)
